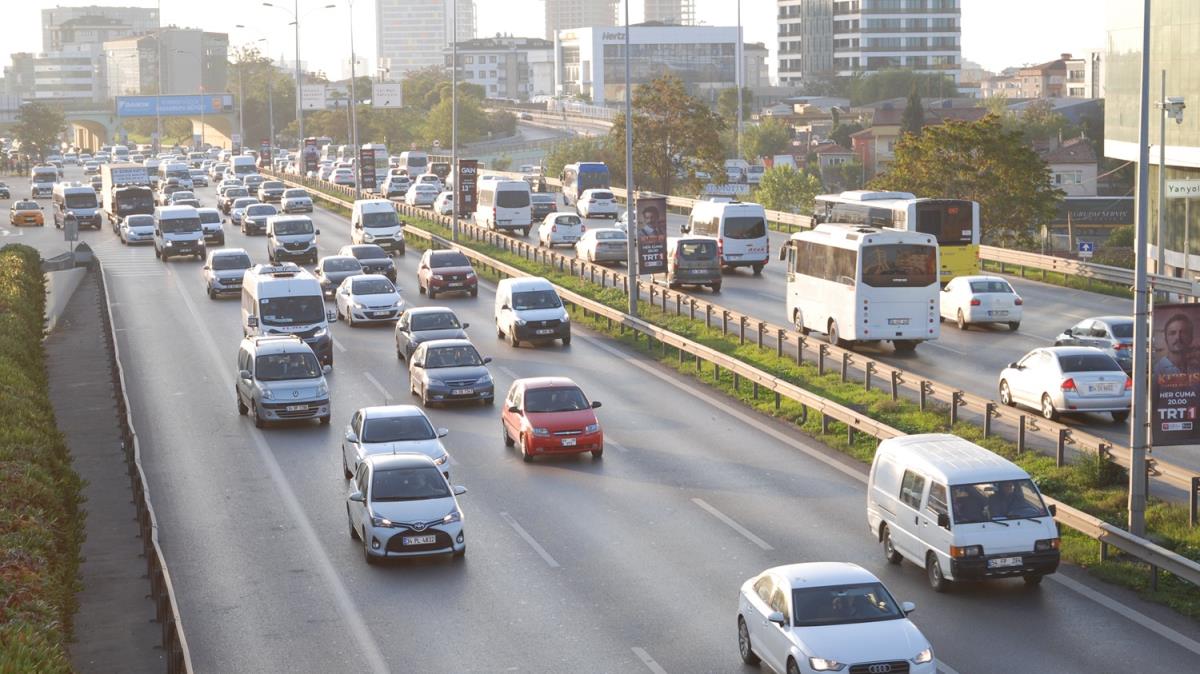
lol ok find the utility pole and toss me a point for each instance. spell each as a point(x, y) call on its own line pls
point(299, 85)
point(158, 99)
point(353, 107)
point(454, 122)
point(1139, 430)
point(1160, 264)
point(738, 75)
point(631, 263)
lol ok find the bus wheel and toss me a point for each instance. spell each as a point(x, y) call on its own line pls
point(905, 345)
point(833, 335)
point(798, 321)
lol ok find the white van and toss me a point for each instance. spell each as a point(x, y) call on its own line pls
point(959, 511)
point(376, 221)
point(243, 165)
point(529, 309)
point(79, 200)
point(503, 204)
point(287, 300)
point(740, 230)
point(415, 162)
point(178, 232)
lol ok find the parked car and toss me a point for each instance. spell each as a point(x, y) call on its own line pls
point(1111, 334)
point(981, 299)
point(450, 370)
point(1068, 379)
point(368, 298)
point(606, 244)
point(392, 429)
point(550, 415)
point(446, 271)
point(422, 324)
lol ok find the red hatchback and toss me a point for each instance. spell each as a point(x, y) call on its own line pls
point(443, 271)
point(550, 415)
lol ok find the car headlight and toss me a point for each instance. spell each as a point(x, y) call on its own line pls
point(320, 332)
point(437, 277)
point(358, 306)
point(452, 516)
point(441, 460)
point(168, 244)
point(519, 321)
point(566, 317)
point(592, 428)
point(966, 551)
point(382, 522)
point(322, 389)
point(543, 432)
point(484, 380)
point(1046, 544)
point(470, 274)
point(267, 395)
point(923, 657)
point(434, 381)
point(825, 665)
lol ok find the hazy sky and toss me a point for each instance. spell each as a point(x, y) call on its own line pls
point(996, 33)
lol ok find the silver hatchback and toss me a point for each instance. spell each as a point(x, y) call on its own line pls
point(1068, 379)
point(1111, 334)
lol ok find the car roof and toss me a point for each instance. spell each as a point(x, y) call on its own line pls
point(1111, 319)
point(527, 283)
point(389, 411)
point(361, 247)
point(1071, 350)
point(822, 574)
point(400, 460)
point(949, 459)
point(430, 310)
point(367, 277)
point(980, 277)
point(276, 344)
point(435, 343)
point(546, 382)
point(221, 252)
point(336, 257)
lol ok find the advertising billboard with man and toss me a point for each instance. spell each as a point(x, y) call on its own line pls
point(1175, 375)
point(651, 234)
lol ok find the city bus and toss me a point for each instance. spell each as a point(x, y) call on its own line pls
point(863, 284)
point(955, 222)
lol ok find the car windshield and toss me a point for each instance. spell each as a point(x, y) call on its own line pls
point(26, 206)
point(284, 366)
point(408, 484)
point(261, 209)
point(1122, 330)
point(535, 299)
point(236, 192)
point(697, 250)
point(224, 262)
point(139, 221)
point(745, 228)
point(441, 320)
point(380, 219)
point(341, 264)
point(1000, 500)
point(452, 259)
point(210, 217)
point(182, 195)
point(271, 185)
point(558, 399)
point(81, 200)
point(369, 253)
point(613, 235)
point(397, 429)
point(244, 202)
point(298, 310)
point(1087, 362)
point(294, 194)
point(996, 286)
point(177, 225)
point(297, 226)
point(601, 195)
point(843, 604)
point(452, 356)
point(373, 286)
point(544, 199)
point(899, 265)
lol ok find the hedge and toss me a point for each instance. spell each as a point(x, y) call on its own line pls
point(41, 526)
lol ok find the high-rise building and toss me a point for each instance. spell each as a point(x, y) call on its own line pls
point(63, 27)
point(193, 61)
point(564, 14)
point(507, 67)
point(822, 38)
point(678, 12)
point(410, 34)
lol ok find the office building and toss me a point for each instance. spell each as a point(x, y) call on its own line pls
point(68, 75)
point(193, 61)
point(63, 27)
point(411, 34)
point(677, 12)
point(824, 38)
point(565, 14)
point(516, 68)
point(18, 77)
point(1173, 27)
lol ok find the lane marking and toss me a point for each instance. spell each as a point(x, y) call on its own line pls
point(509, 372)
point(613, 443)
point(530, 540)
point(733, 524)
point(378, 386)
point(935, 345)
point(647, 660)
point(339, 346)
point(1129, 613)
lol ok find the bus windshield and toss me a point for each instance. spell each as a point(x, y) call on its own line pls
point(899, 265)
point(950, 221)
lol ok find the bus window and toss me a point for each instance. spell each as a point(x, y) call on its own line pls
point(899, 266)
point(951, 224)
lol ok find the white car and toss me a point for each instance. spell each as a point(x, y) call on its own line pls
point(421, 194)
point(136, 229)
point(296, 200)
point(395, 187)
point(325, 170)
point(605, 244)
point(1068, 379)
point(828, 617)
point(400, 506)
point(444, 204)
point(343, 176)
point(597, 203)
point(560, 229)
point(430, 179)
point(368, 298)
point(392, 429)
point(981, 299)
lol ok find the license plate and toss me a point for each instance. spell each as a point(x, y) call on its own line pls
point(418, 540)
point(1102, 388)
point(462, 392)
point(998, 312)
point(1003, 562)
point(297, 408)
point(897, 321)
point(454, 284)
point(378, 314)
point(503, 222)
point(568, 442)
point(545, 331)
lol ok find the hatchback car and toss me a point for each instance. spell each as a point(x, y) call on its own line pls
point(1067, 379)
point(254, 218)
point(392, 429)
point(4, 191)
point(271, 191)
point(183, 198)
point(344, 177)
point(399, 506)
point(368, 298)
point(450, 370)
point(296, 200)
point(606, 244)
point(828, 617)
point(597, 203)
point(443, 271)
point(444, 204)
point(560, 229)
point(137, 228)
point(1111, 334)
point(421, 194)
point(199, 177)
point(238, 206)
point(981, 299)
point(253, 181)
point(373, 258)
point(26, 212)
point(422, 324)
point(331, 270)
point(395, 187)
point(550, 415)
point(223, 271)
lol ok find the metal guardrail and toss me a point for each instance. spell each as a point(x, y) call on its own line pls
point(166, 607)
point(1154, 555)
point(1087, 270)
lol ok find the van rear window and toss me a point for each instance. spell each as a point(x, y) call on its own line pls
point(745, 228)
point(512, 198)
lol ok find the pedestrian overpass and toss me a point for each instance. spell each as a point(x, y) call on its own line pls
point(212, 117)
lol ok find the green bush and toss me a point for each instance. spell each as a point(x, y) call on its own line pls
point(41, 528)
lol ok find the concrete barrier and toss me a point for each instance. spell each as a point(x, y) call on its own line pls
point(60, 286)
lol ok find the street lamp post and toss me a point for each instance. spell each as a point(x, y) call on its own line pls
point(353, 107)
point(454, 122)
point(158, 99)
point(631, 259)
point(295, 12)
point(738, 71)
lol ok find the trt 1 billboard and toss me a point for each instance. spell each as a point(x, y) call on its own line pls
point(651, 221)
point(1175, 375)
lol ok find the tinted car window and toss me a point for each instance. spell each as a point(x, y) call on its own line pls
point(745, 228)
point(512, 199)
point(342, 265)
point(899, 266)
point(396, 429)
point(222, 262)
point(408, 484)
point(842, 604)
point(452, 356)
point(141, 220)
point(990, 287)
point(1088, 362)
point(560, 399)
point(442, 320)
point(535, 299)
point(283, 366)
point(1122, 330)
point(448, 260)
point(373, 286)
point(369, 252)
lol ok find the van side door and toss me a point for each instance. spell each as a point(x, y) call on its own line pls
point(933, 535)
point(908, 515)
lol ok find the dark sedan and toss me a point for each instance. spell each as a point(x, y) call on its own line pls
point(541, 205)
point(373, 258)
point(333, 269)
point(423, 324)
point(450, 370)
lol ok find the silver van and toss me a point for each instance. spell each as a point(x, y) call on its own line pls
point(280, 379)
point(693, 261)
point(291, 237)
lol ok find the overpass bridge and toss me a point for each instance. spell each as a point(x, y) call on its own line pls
point(91, 129)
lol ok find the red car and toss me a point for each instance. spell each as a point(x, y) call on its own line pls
point(443, 271)
point(550, 415)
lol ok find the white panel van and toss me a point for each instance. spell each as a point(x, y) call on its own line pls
point(504, 204)
point(740, 230)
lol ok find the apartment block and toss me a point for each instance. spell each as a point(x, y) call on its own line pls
point(411, 34)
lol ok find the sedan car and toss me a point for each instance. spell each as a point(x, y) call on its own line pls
point(981, 299)
point(136, 229)
point(828, 617)
point(254, 218)
point(1068, 379)
point(1111, 334)
point(97, 184)
point(232, 194)
point(271, 191)
point(444, 204)
point(296, 200)
point(597, 203)
point(331, 270)
point(423, 324)
point(446, 271)
point(550, 415)
point(373, 258)
point(183, 198)
point(199, 177)
point(253, 181)
point(421, 194)
point(399, 506)
point(343, 176)
point(396, 187)
point(606, 244)
point(91, 168)
point(560, 229)
point(392, 429)
point(26, 212)
point(450, 370)
point(541, 205)
point(223, 271)
point(368, 298)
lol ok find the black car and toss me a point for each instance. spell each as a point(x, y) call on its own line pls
point(333, 269)
point(422, 324)
point(541, 205)
point(4, 194)
point(374, 260)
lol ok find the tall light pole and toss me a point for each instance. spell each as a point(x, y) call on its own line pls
point(241, 92)
point(454, 122)
point(295, 12)
point(1139, 430)
point(741, 59)
point(158, 99)
point(1161, 238)
point(353, 112)
point(631, 264)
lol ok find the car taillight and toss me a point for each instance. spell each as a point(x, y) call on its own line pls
point(554, 228)
point(1018, 301)
point(582, 228)
point(1128, 384)
point(721, 250)
point(1120, 347)
point(1068, 385)
point(975, 302)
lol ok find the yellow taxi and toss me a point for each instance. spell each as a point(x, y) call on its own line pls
point(26, 213)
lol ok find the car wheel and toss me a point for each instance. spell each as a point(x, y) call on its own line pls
point(1014, 325)
point(475, 292)
point(1120, 417)
point(508, 441)
point(420, 288)
point(432, 293)
point(424, 397)
point(792, 667)
point(566, 340)
point(258, 420)
point(962, 322)
point(597, 454)
point(889, 548)
point(757, 269)
point(346, 469)
point(1006, 397)
point(350, 523)
point(324, 420)
point(241, 406)
point(744, 648)
point(525, 455)
point(798, 322)
point(834, 336)
point(512, 338)
point(1033, 579)
point(933, 569)
point(1048, 410)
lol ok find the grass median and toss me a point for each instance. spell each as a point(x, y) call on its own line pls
point(41, 528)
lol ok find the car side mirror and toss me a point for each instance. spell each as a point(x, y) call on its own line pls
point(326, 368)
point(357, 497)
point(244, 374)
point(504, 307)
point(466, 325)
point(514, 409)
point(317, 230)
point(459, 490)
point(351, 437)
point(1014, 365)
point(205, 267)
point(908, 607)
point(331, 316)
point(418, 364)
point(1053, 509)
point(487, 359)
point(686, 229)
point(778, 618)
point(443, 432)
point(943, 520)
point(252, 321)
point(595, 404)
point(1068, 332)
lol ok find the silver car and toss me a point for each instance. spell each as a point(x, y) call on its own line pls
point(296, 200)
point(368, 298)
point(1111, 334)
point(1068, 379)
point(450, 370)
point(279, 379)
point(392, 429)
point(223, 271)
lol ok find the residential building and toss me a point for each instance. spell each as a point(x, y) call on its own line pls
point(68, 75)
point(507, 67)
point(820, 38)
point(411, 34)
point(64, 27)
point(973, 72)
point(1046, 80)
point(193, 61)
point(1073, 166)
point(591, 61)
point(565, 14)
point(1173, 48)
point(1093, 73)
point(678, 12)
point(876, 144)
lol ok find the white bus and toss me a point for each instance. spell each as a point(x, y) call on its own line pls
point(861, 284)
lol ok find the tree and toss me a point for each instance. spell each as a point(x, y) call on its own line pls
point(897, 82)
point(841, 133)
point(1039, 122)
point(727, 103)
point(847, 176)
point(502, 163)
point(783, 188)
point(981, 161)
point(767, 139)
point(38, 127)
point(676, 135)
point(914, 115)
point(583, 148)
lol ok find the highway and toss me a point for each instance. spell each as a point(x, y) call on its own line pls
point(630, 564)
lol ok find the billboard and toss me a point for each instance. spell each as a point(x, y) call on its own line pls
point(312, 97)
point(312, 155)
point(387, 95)
point(651, 220)
point(1094, 211)
point(1174, 375)
point(167, 106)
point(464, 185)
point(366, 168)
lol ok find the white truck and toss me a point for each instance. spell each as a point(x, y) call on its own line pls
point(125, 190)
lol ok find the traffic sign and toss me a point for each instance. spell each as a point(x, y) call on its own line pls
point(1086, 248)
